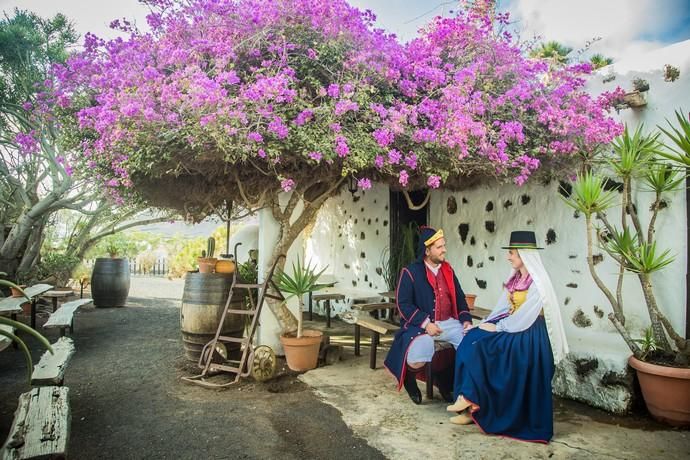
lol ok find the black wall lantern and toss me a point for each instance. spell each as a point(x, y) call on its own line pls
point(352, 185)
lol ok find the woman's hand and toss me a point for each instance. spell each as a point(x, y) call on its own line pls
point(490, 327)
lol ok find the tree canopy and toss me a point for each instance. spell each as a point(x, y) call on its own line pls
point(230, 99)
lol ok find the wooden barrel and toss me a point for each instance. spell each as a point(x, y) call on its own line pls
point(203, 301)
point(110, 282)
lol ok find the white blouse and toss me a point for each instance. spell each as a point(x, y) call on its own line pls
point(523, 318)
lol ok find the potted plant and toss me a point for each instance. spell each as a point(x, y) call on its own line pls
point(302, 348)
point(207, 262)
point(662, 364)
point(10, 325)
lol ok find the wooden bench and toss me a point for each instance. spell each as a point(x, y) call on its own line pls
point(51, 368)
point(64, 316)
point(41, 425)
point(13, 305)
point(377, 328)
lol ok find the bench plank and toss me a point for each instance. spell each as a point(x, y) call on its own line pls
point(376, 325)
point(41, 425)
point(13, 304)
point(480, 313)
point(5, 341)
point(373, 306)
point(64, 315)
point(51, 369)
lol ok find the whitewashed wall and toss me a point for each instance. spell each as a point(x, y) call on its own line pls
point(350, 235)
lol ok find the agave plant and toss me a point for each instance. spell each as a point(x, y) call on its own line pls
point(22, 327)
point(638, 158)
point(304, 279)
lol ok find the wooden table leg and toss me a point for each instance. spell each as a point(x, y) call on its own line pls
point(310, 306)
point(55, 304)
point(328, 313)
point(358, 335)
point(33, 313)
point(374, 344)
point(429, 381)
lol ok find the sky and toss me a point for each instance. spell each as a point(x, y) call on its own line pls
point(625, 27)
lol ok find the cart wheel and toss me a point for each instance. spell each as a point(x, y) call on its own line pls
point(264, 363)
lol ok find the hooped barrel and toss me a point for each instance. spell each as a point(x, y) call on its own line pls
point(203, 301)
point(110, 282)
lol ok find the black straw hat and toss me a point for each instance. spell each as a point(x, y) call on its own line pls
point(522, 239)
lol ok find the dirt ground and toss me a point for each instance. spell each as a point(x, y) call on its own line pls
point(127, 399)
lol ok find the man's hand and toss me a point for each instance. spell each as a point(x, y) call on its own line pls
point(466, 326)
point(491, 327)
point(432, 329)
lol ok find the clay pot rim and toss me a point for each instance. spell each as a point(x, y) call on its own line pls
point(306, 334)
point(657, 369)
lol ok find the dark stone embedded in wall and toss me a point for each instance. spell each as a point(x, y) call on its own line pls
point(342, 202)
point(354, 283)
point(612, 378)
point(529, 221)
point(480, 283)
point(342, 247)
point(374, 201)
point(366, 278)
point(492, 258)
point(362, 255)
point(610, 184)
point(550, 236)
point(469, 261)
point(565, 188)
point(566, 301)
point(580, 319)
point(368, 221)
point(361, 210)
point(376, 220)
point(597, 258)
point(576, 214)
point(385, 223)
point(472, 241)
point(356, 198)
point(585, 366)
point(598, 311)
point(577, 272)
point(385, 208)
point(340, 235)
point(377, 232)
point(572, 256)
point(489, 206)
point(379, 271)
point(347, 267)
point(451, 205)
point(480, 265)
point(463, 229)
point(371, 284)
point(524, 199)
point(485, 245)
point(571, 285)
point(362, 236)
point(507, 204)
point(464, 200)
point(355, 221)
point(490, 226)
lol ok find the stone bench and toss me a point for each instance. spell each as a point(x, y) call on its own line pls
point(41, 425)
point(51, 368)
point(64, 317)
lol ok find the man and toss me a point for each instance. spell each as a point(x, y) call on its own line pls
point(432, 308)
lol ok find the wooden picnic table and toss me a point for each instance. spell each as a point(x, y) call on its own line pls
point(54, 295)
point(13, 305)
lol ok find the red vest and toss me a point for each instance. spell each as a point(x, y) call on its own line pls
point(444, 299)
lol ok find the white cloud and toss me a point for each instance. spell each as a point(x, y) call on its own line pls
point(619, 23)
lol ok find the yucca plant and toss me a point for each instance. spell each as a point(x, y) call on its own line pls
point(304, 279)
point(22, 327)
point(637, 159)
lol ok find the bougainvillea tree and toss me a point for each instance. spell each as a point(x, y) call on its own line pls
point(246, 99)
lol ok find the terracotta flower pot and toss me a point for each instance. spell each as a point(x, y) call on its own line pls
point(225, 266)
point(207, 264)
point(666, 391)
point(15, 291)
point(302, 354)
point(470, 300)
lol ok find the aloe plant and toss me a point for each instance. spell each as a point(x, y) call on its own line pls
point(304, 279)
point(22, 327)
point(638, 158)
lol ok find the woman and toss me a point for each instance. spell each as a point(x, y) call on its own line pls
point(504, 366)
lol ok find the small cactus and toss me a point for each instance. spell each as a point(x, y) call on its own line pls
point(210, 246)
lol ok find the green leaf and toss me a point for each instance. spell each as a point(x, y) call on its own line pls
point(680, 136)
point(588, 195)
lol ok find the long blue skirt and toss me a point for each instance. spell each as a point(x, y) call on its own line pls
point(508, 375)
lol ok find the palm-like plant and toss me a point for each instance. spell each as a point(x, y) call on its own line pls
point(599, 61)
point(637, 157)
point(22, 327)
point(304, 279)
point(552, 50)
